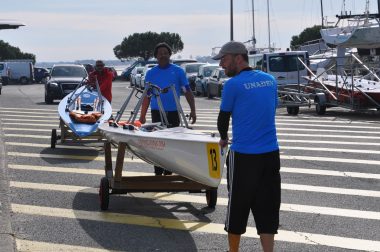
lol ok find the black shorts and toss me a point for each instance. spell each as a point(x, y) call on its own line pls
point(254, 183)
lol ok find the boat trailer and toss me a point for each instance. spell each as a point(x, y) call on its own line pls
point(115, 183)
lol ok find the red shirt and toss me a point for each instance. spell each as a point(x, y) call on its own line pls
point(105, 82)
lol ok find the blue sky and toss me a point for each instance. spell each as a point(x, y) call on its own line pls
point(89, 29)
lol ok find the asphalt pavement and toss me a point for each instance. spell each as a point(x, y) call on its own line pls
point(49, 197)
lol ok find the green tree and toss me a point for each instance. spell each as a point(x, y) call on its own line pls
point(308, 34)
point(142, 44)
point(10, 52)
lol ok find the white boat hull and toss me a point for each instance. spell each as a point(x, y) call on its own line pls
point(196, 156)
point(349, 37)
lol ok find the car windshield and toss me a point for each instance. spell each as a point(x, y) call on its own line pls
point(208, 70)
point(192, 68)
point(222, 74)
point(286, 63)
point(68, 71)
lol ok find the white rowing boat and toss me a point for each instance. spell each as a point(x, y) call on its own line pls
point(196, 156)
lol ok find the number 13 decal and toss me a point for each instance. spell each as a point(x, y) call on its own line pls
point(213, 160)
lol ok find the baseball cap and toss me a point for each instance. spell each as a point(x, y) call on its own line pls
point(232, 47)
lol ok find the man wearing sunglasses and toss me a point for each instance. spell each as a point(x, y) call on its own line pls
point(104, 78)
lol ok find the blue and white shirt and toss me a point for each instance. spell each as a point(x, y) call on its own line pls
point(164, 77)
point(251, 97)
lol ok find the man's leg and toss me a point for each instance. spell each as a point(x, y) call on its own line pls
point(267, 242)
point(233, 241)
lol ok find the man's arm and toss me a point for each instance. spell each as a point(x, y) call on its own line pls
point(144, 109)
point(223, 124)
point(190, 99)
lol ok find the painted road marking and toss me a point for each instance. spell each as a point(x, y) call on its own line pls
point(195, 226)
point(298, 187)
point(35, 246)
point(202, 200)
point(283, 170)
point(76, 157)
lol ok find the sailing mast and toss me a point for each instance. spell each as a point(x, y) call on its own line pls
point(269, 47)
point(253, 27)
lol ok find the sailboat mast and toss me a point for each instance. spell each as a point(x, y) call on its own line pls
point(253, 26)
point(269, 47)
point(322, 12)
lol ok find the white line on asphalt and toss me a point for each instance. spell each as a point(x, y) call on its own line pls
point(202, 200)
point(194, 226)
point(309, 188)
point(345, 174)
point(37, 246)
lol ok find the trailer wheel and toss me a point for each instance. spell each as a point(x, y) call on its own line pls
point(211, 197)
point(104, 193)
point(320, 109)
point(53, 139)
point(293, 110)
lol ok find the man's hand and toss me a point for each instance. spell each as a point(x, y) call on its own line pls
point(223, 142)
point(193, 117)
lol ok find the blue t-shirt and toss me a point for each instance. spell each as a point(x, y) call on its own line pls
point(165, 77)
point(251, 97)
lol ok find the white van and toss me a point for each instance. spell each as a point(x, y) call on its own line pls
point(284, 66)
point(17, 70)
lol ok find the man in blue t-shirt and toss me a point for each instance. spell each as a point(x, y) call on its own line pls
point(164, 75)
point(253, 163)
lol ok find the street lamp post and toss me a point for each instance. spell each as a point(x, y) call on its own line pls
point(231, 21)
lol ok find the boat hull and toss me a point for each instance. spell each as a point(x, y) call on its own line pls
point(87, 97)
point(350, 37)
point(196, 156)
point(346, 94)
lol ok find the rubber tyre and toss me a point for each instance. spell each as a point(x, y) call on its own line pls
point(24, 80)
point(104, 193)
point(48, 99)
point(208, 93)
point(320, 109)
point(53, 139)
point(211, 197)
point(293, 110)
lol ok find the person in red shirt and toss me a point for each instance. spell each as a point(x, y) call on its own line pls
point(104, 77)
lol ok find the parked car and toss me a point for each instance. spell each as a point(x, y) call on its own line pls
point(215, 83)
point(113, 70)
point(179, 62)
point(126, 74)
point(63, 80)
point(40, 74)
point(191, 70)
point(136, 75)
point(143, 74)
point(201, 80)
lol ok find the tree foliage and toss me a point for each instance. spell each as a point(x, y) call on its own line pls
point(308, 34)
point(10, 52)
point(142, 44)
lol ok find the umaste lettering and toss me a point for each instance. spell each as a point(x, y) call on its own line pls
point(259, 84)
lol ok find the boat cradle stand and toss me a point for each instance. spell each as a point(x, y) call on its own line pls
point(116, 183)
point(67, 134)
